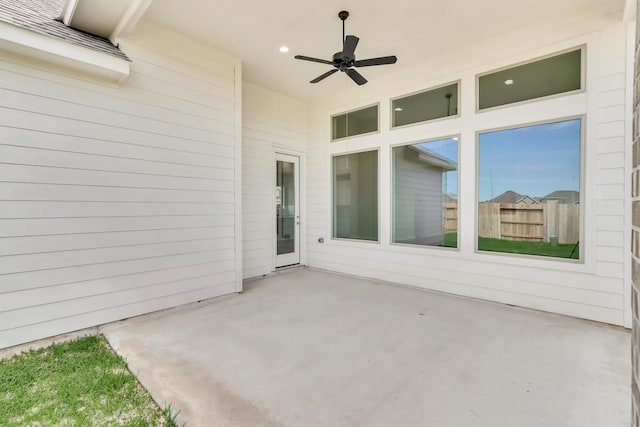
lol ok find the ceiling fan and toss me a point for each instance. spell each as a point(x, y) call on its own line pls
point(345, 60)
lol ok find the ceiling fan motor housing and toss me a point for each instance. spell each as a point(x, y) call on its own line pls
point(342, 62)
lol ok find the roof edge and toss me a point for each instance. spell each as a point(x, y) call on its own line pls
point(52, 50)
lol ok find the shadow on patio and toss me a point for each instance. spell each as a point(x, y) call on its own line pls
point(310, 348)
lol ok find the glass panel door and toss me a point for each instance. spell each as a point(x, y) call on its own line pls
point(287, 211)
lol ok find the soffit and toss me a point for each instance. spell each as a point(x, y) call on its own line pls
point(414, 30)
point(99, 17)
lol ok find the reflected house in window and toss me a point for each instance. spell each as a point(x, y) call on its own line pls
point(420, 202)
point(526, 200)
point(510, 196)
point(562, 197)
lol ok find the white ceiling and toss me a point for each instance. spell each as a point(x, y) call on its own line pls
point(413, 30)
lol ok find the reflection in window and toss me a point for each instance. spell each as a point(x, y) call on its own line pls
point(425, 199)
point(355, 196)
point(429, 105)
point(285, 207)
point(529, 190)
point(544, 77)
point(354, 123)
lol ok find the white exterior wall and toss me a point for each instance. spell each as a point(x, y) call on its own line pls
point(117, 201)
point(270, 122)
point(594, 289)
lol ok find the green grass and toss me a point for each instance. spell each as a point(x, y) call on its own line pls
point(78, 383)
point(518, 247)
point(450, 240)
point(529, 248)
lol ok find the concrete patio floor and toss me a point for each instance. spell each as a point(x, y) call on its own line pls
point(310, 348)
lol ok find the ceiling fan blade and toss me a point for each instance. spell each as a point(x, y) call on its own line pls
point(349, 47)
point(356, 76)
point(324, 76)
point(376, 61)
point(308, 58)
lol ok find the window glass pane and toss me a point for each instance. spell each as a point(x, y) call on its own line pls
point(529, 190)
point(285, 207)
point(355, 123)
point(429, 105)
point(425, 199)
point(339, 126)
point(545, 77)
point(355, 196)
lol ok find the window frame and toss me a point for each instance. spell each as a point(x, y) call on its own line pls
point(332, 196)
point(392, 194)
point(375, 104)
point(457, 82)
point(583, 79)
point(581, 234)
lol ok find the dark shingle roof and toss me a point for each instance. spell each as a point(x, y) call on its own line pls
point(506, 197)
point(564, 196)
point(42, 16)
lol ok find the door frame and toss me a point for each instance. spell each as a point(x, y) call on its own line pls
point(301, 204)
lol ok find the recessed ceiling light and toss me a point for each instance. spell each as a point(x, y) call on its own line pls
point(397, 109)
point(284, 49)
point(508, 82)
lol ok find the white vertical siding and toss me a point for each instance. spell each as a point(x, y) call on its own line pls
point(592, 289)
point(115, 201)
point(270, 121)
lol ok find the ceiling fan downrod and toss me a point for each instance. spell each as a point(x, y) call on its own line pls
point(343, 15)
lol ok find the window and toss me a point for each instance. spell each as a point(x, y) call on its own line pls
point(425, 199)
point(429, 105)
point(355, 196)
point(354, 123)
point(544, 77)
point(529, 190)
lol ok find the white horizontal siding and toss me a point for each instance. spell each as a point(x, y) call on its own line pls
point(115, 201)
point(62, 322)
point(593, 289)
point(270, 121)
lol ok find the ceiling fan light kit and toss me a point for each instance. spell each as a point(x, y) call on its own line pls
point(345, 60)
